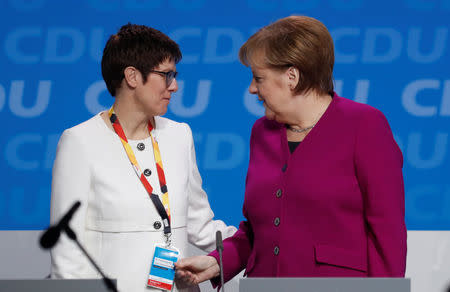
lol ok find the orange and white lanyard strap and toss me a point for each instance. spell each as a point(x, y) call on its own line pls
point(159, 168)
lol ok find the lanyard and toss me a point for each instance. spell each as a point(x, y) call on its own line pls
point(163, 208)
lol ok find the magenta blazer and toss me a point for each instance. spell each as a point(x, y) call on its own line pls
point(333, 208)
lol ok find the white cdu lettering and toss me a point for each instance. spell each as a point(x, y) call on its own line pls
point(12, 151)
point(372, 36)
point(200, 104)
point(55, 38)
point(180, 34)
point(412, 90)
point(92, 97)
point(436, 157)
point(214, 151)
point(43, 147)
point(216, 38)
point(344, 33)
point(361, 92)
point(16, 96)
point(437, 50)
point(17, 39)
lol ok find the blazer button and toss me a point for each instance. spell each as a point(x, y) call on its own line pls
point(140, 146)
point(276, 222)
point(283, 169)
point(278, 193)
point(276, 250)
point(157, 224)
point(147, 172)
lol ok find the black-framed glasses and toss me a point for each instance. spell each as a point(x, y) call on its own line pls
point(169, 75)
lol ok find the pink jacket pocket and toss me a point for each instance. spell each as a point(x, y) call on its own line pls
point(331, 255)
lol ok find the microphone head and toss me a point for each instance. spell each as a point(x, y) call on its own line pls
point(219, 243)
point(68, 216)
point(50, 237)
point(218, 236)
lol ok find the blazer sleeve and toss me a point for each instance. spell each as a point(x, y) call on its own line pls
point(70, 183)
point(378, 164)
point(236, 252)
point(237, 249)
point(201, 227)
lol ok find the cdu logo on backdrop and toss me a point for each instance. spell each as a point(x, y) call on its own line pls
point(390, 54)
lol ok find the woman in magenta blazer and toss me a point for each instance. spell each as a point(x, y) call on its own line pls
point(324, 194)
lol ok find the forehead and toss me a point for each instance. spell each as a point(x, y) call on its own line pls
point(263, 70)
point(256, 62)
point(257, 68)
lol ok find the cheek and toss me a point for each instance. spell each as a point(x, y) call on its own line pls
point(270, 101)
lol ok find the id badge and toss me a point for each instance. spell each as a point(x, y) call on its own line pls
point(162, 271)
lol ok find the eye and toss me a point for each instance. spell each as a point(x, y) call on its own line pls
point(257, 79)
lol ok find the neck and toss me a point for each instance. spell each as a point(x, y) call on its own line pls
point(308, 109)
point(133, 121)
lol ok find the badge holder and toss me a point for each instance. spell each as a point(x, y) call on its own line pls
point(162, 270)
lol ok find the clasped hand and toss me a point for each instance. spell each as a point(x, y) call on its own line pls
point(194, 270)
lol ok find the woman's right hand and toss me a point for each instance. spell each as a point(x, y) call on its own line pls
point(194, 270)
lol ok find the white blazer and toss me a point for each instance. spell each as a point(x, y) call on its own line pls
point(117, 221)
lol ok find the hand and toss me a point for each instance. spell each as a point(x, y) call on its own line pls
point(195, 270)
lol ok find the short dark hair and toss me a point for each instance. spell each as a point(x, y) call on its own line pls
point(139, 46)
point(299, 41)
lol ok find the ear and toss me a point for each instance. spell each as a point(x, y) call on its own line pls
point(132, 76)
point(293, 77)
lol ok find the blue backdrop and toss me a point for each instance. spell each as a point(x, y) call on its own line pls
point(393, 55)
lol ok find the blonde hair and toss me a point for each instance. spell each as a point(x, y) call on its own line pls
point(299, 41)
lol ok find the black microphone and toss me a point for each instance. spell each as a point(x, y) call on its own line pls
point(51, 235)
point(219, 248)
point(219, 242)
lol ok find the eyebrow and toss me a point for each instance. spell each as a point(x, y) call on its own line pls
point(167, 69)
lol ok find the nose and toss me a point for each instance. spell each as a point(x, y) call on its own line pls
point(173, 87)
point(252, 89)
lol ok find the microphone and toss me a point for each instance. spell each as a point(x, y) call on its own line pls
point(219, 248)
point(51, 235)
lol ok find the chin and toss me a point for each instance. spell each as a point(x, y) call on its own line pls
point(162, 112)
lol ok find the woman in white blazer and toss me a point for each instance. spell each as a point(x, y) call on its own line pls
point(117, 221)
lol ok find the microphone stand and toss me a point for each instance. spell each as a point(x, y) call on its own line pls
point(221, 269)
point(71, 234)
point(219, 248)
